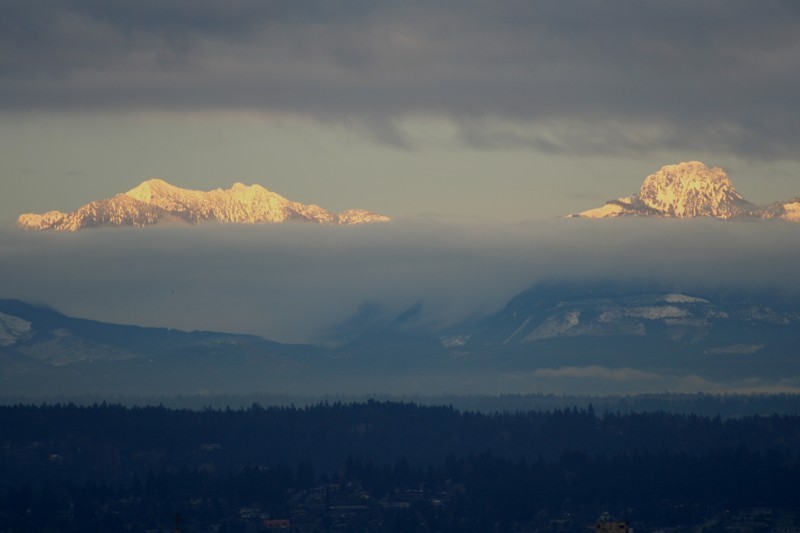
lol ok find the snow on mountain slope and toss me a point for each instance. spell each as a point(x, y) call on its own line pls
point(791, 210)
point(788, 210)
point(155, 201)
point(691, 189)
point(12, 328)
point(615, 315)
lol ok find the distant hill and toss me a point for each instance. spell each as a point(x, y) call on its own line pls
point(43, 351)
point(573, 338)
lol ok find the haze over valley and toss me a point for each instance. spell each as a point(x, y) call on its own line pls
point(305, 300)
point(313, 306)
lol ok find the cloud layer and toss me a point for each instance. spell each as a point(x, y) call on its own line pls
point(576, 77)
point(290, 282)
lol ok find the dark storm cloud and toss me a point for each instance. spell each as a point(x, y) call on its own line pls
point(290, 282)
point(585, 76)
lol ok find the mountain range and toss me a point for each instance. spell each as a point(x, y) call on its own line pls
point(691, 189)
point(155, 202)
point(625, 335)
point(685, 190)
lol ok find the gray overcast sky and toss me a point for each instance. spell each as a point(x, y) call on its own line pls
point(508, 110)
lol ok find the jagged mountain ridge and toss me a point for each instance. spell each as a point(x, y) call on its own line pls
point(155, 201)
point(688, 190)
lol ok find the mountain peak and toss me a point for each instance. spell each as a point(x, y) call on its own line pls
point(154, 201)
point(686, 190)
point(685, 175)
point(239, 187)
point(691, 189)
point(146, 190)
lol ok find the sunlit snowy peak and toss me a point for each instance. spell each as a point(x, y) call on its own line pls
point(691, 189)
point(155, 201)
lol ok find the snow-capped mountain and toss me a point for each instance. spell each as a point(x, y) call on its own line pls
point(155, 201)
point(691, 189)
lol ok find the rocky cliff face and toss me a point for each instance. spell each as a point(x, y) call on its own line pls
point(155, 201)
point(692, 190)
point(688, 190)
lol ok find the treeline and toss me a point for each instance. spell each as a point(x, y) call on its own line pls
point(102, 467)
point(727, 405)
point(377, 431)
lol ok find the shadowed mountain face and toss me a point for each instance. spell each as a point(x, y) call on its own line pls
point(600, 337)
point(156, 201)
point(621, 326)
point(559, 312)
point(688, 190)
point(45, 352)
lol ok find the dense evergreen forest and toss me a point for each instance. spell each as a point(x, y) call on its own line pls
point(388, 466)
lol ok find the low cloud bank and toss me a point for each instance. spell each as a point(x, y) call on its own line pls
point(289, 282)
